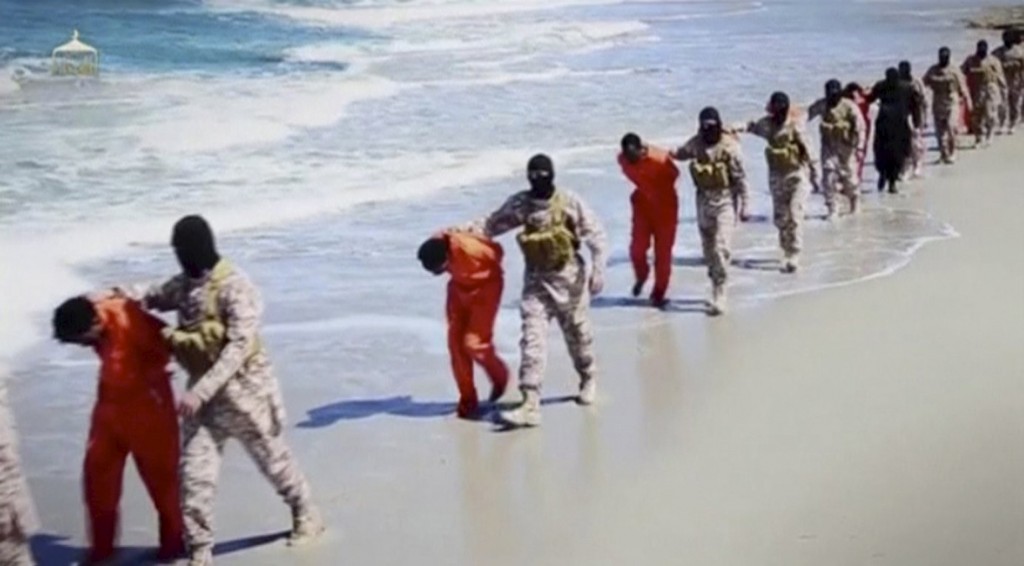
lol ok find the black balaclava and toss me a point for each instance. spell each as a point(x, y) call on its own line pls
point(194, 246)
point(540, 172)
point(892, 76)
point(944, 56)
point(906, 71)
point(1008, 39)
point(982, 51)
point(710, 125)
point(833, 92)
point(779, 107)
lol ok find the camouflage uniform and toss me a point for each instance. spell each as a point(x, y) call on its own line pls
point(716, 206)
point(563, 295)
point(17, 512)
point(987, 84)
point(788, 185)
point(839, 150)
point(241, 400)
point(1012, 60)
point(948, 88)
point(920, 147)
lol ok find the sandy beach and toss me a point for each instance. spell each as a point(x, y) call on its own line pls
point(865, 411)
point(876, 423)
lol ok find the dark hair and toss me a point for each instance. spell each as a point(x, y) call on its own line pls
point(433, 253)
point(905, 67)
point(73, 318)
point(630, 140)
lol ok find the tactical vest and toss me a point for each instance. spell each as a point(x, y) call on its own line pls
point(984, 73)
point(710, 175)
point(837, 129)
point(783, 153)
point(552, 246)
point(197, 346)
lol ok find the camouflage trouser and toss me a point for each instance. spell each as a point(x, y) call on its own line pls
point(572, 312)
point(839, 173)
point(920, 148)
point(946, 128)
point(15, 551)
point(716, 219)
point(986, 114)
point(17, 512)
point(1010, 110)
point(259, 428)
point(788, 195)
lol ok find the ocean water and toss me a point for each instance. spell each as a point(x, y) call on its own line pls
point(325, 139)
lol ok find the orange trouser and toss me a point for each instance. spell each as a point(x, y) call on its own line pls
point(471, 315)
point(657, 222)
point(147, 429)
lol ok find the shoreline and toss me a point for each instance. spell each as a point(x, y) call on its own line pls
point(719, 440)
point(998, 18)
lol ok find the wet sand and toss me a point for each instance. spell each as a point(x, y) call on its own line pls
point(876, 423)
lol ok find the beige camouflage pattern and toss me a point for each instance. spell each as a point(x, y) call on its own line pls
point(241, 400)
point(1013, 68)
point(716, 208)
point(987, 87)
point(839, 165)
point(537, 308)
point(260, 432)
point(919, 148)
point(789, 196)
point(948, 87)
point(18, 520)
point(563, 295)
point(788, 188)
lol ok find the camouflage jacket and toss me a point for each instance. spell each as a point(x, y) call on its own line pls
point(238, 372)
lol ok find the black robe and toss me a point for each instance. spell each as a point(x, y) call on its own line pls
point(897, 107)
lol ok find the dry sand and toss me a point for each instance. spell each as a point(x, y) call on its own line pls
point(877, 423)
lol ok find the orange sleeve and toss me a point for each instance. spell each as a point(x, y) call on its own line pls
point(629, 170)
point(147, 331)
point(473, 258)
point(669, 171)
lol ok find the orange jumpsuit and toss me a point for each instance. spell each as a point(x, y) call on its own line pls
point(474, 295)
point(655, 215)
point(134, 414)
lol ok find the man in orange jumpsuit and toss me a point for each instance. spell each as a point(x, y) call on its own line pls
point(655, 213)
point(474, 295)
point(134, 415)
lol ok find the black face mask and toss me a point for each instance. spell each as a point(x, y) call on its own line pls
point(194, 246)
point(780, 113)
point(711, 133)
point(540, 172)
point(943, 61)
point(542, 187)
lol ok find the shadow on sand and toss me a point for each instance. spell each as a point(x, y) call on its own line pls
point(54, 550)
point(401, 406)
point(757, 264)
point(674, 305)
